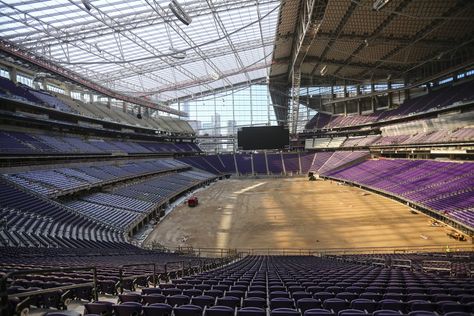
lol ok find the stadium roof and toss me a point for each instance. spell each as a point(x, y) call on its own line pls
point(349, 41)
point(136, 47)
point(338, 42)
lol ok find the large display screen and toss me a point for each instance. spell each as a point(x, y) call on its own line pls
point(264, 137)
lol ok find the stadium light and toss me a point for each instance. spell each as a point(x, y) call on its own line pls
point(324, 70)
point(179, 12)
point(379, 4)
point(87, 4)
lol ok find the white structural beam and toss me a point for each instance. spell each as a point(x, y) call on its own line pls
point(311, 14)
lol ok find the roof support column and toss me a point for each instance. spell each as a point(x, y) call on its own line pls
point(373, 100)
point(407, 91)
point(359, 105)
point(333, 96)
point(295, 99)
point(67, 89)
point(306, 30)
point(346, 94)
point(12, 72)
point(390, 94)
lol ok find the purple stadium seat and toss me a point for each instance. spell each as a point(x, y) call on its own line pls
point(230, 301)
point(335, 304)
point(251, 311)
point(219, 311)
point(101, 308)
point(255, 302)
point(178, 300)
point(203, 301)
point(128, 309)
point(157, 309)
point(153, 298)
point(318, 312)
point(281, 302)
point(304, 304)
point(188, 310)
point(350, 312)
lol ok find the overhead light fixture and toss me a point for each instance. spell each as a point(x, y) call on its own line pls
point(177, 54)
point(179, 12)
point(87, 4)
point(379, 4)
point(215, 76)
point(324, 70)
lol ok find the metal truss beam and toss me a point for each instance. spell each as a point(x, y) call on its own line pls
point(88, 30)
point(229, 41)
point(132, 36)
point(201, 80)
point(310, 17)
point(185, 37)
point(378, 30)
point(375, 40)
point(73, 77)
point(311, 14)
point(224, 89)
point(334, 62)
point(60, 34)
point(436, 23)
point(190, 58)
point(337, 31)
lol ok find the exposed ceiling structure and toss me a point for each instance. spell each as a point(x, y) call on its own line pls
point(139, 48)
point(346, 41)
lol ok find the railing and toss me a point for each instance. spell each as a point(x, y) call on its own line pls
point(379, 262)
point(25, 297)
point(241, 252)
point(402, 263)
point(120, 284)
point(436, 266)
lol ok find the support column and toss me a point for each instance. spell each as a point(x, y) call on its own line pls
point(390, 94)
point(12, 72)
point(83, 97)
point(346, 94)
point(373, 103)
point(406, 91)
point(455, 76)
point(333, 105)
point(359, 105)
point(146, 112)
point(43, 84)
point(295, 99)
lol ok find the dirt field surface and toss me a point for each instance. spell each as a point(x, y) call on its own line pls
point(295, 213)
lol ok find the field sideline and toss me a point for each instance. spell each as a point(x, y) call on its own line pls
point(295, 213)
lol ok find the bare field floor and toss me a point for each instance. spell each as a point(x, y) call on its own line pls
point(295, 213)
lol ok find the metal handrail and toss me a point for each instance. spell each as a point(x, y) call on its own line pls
point(203, 251)
point(119, 285)
point(446, 268)
point(4, 282)
point(402, 263)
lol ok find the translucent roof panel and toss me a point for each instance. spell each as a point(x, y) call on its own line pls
point(139, 48)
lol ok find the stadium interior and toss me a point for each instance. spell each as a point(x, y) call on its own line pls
point(237, 157)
